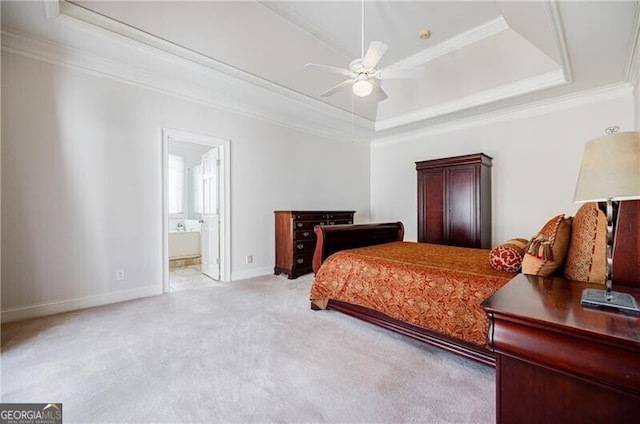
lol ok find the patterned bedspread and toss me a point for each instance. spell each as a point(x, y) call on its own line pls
point(435, 287)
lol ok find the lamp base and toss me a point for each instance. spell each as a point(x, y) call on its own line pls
point(593, 298)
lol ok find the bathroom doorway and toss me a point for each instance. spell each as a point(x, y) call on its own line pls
point(195, 196)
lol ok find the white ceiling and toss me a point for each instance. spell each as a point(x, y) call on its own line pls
point(482, 55)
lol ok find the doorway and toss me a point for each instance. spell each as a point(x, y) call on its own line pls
point(195, 209)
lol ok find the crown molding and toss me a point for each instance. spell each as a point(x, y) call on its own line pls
point(51, 9)
point(307, 26)
point(224, 87)
point(198, 85)
point(458, 42)
point(567, 101)
point(263, 99)
point(503, 92)
point(557, 29)
point(632, 69)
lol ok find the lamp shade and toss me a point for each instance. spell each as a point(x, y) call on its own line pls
point(610, 169)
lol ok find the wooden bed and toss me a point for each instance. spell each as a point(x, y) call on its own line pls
point(465, 269)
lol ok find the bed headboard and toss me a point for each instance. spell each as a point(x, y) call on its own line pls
point(333, 238)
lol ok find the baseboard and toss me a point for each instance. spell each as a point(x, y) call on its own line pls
point(250, 273)
point(18, 313)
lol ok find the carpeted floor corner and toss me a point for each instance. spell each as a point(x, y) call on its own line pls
point(250, 351)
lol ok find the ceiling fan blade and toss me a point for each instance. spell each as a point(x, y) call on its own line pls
point(378, 92)
point(374, 53)
point(343, 84)
point(391, 73)
point(328, 68)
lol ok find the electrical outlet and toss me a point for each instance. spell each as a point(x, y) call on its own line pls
point(120, 274)
point(250, 259)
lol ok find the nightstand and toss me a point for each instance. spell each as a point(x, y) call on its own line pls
point(558, 362)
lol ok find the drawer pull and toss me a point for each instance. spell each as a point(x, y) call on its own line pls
point(306, 233)
point(300, 260)
point(332, 223)
point(299, 245)
point(299, 224)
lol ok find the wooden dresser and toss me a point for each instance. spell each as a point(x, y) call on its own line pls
point(296, 241)
point(557, 361)
point(454, 201)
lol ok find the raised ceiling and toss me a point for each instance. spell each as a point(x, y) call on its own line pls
point(482, 55)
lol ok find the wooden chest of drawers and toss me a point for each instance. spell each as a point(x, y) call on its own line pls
point(296, 241)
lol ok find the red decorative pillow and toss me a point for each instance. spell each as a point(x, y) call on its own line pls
point(507, 257)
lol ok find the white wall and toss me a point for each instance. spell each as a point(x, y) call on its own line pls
point(81, 185)
point(637, 107)
point(535, 163)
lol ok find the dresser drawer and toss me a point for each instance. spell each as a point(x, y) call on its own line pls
point(335, 221)
point(339, 216)
point(306, 225)
point(303, 260)
point(304, 246)
point(309, 216)
point(304, 235)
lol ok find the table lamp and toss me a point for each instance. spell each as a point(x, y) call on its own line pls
point(610, 171)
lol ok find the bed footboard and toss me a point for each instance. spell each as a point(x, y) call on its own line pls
point(333, 238)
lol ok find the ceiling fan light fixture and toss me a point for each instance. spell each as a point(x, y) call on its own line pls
point(362, 88)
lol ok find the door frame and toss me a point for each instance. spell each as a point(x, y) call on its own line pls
point(224, 145)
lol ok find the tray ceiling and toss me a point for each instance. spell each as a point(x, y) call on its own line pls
point(481, 54)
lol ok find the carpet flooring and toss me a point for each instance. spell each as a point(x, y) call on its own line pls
point(250, 351)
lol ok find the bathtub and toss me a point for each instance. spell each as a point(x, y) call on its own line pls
point(184, 244)
point(184, 238)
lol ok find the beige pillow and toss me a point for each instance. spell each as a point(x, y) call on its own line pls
point(546, 251)
point(587, 255)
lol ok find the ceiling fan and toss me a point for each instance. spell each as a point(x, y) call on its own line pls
point(364, 76)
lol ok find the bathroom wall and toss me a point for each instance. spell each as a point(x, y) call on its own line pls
point(191, 153)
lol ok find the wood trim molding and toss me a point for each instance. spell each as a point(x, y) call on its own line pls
point(600, 94)
point(202, 84)
point(18, 313)
point(503, 92)
point(632, 70)
point(463, 40)
point(557, 28)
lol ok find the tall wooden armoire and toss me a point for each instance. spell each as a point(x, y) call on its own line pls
point(454, 201)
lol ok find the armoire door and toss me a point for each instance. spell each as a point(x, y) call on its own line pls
point(431, 205)
point(462, 204)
